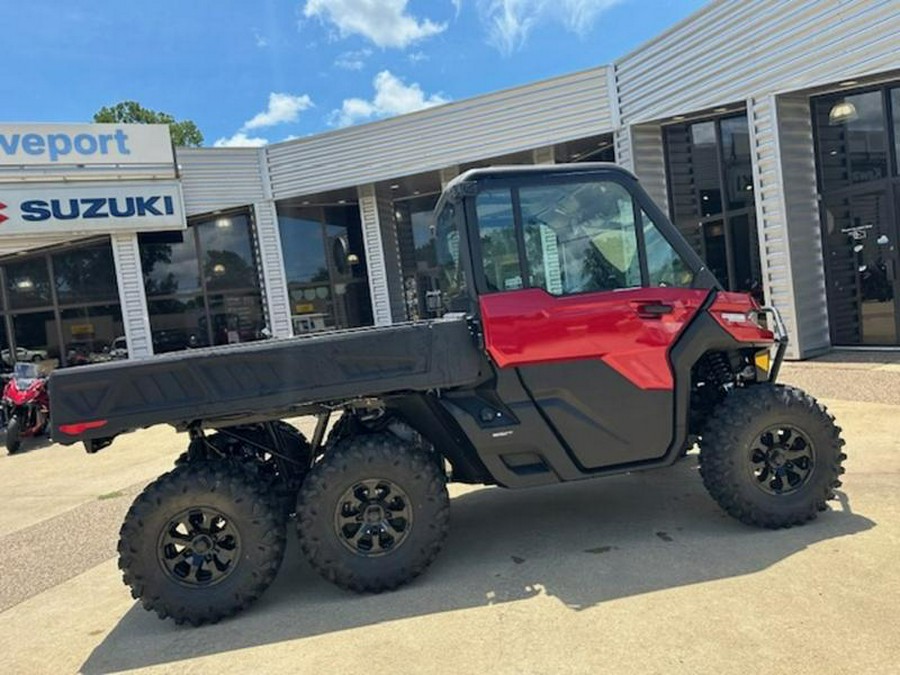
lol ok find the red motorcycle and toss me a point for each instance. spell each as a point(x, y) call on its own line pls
point(25, 405)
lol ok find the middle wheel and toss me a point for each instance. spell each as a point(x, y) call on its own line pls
point(374, 513)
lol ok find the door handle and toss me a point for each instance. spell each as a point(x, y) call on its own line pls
point(653, 310)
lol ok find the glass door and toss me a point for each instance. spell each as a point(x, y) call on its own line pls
point(861, 250)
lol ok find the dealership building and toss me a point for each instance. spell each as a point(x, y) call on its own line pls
point(769, 131)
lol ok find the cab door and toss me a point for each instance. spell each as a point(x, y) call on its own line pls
point(584, 296)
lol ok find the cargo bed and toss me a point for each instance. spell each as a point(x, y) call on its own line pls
point(266, 379)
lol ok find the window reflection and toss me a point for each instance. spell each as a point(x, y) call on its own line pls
point(28, 284)
point(63, 307)
point(202, 284)
point(325, 266)
point(85, 275)
point(852, 139)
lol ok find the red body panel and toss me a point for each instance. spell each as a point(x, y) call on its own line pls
point(733, 311)
point(531, 327)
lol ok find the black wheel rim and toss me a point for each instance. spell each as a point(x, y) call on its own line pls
point(199, 547)
point(373, 517)
point(781, 460)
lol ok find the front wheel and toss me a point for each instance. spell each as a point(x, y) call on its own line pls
point(13, 435)
point(201, 543)
point(374, 513)
point(771, 456)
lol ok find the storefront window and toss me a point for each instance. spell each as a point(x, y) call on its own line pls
point(325, 265)
point(202, 284)
point(418, 256)
point(227, 247)
point(85, 275)
point(28, 284)
point(859, 187)
point(36, 337)
point(710, 176)
point(63, 307)
point(852, 139)
point(89, 333)
point(169, 262)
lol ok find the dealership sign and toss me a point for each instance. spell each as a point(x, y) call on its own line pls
point(126, 206)
point(84, 144)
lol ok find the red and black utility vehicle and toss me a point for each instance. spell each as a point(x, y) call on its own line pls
point(576, 335)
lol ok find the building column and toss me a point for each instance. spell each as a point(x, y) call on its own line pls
point(639, 148)
point(787, 215)
point(132, 298)
point(382, 255)
point(271, 261)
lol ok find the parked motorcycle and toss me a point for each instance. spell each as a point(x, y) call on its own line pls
point(24, 405)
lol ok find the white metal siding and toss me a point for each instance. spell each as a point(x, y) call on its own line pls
point(220, 178)
point(375, 262)
point(650, 162)
point(268, 238)
point(552, 111)
point(798, 167)
point(733, 49)
point(391, 248)
point(133, 301)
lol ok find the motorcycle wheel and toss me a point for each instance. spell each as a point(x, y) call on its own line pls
point(13, 435)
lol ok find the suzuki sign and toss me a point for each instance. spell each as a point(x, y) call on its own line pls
point(85, 144)
point(126, 206)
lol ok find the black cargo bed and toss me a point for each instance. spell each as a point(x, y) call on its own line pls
point(263, 379)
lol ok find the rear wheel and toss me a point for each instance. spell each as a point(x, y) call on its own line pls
point(771, 456)
point(13, 435)
point(373, 514)
point(201, 543)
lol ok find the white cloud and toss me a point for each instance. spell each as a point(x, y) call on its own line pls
point(510, 22)
point(240, 140)
point(385, 22)
point(392, 97)
point(261, 42)
point(354, 60)
point(282, 108)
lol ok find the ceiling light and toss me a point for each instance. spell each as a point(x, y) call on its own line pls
point(218, 269)
point(342, 201)
point(842, 112)
point(306, 203)
point(678, 118)
point(395, 187)
point(416, 192)
point(849, 83)
point(720, 110)
point(223, 223)
point(25, 284)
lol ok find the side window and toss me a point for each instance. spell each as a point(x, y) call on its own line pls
point(580, 237)
point(664, 265)
point(497, 233)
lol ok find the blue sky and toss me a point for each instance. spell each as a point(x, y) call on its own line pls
point(249, 72)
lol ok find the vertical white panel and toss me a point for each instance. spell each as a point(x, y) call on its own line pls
point(545, 155)
point(271, 259)
point(798, 162)
point(375, 264)
point(639, 149)
point(132, 299)
point(774, 245)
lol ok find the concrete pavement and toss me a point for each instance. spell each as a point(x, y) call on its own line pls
point(637, 573)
